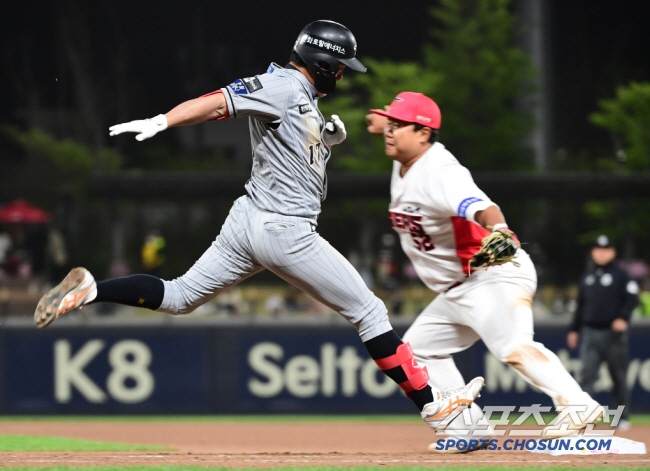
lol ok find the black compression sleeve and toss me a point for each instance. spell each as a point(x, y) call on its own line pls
point(136, 290)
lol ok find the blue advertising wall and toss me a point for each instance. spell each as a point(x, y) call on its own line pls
point(244, 369)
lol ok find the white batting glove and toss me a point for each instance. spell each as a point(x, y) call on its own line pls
point(334, 131)
point(145, 128)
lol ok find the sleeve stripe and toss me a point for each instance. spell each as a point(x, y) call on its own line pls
point(462, 207)
point(231, 107)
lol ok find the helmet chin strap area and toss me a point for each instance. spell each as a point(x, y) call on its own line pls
point(325, 78)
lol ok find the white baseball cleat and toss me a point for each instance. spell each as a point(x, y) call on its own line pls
point(566, 425)
point(446, 407)
point(75, 290)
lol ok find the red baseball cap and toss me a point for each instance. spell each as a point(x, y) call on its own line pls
point(413, 108)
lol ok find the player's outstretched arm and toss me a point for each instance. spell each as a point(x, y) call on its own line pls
point(376, 123)
point(194, 111)
point(198, 110)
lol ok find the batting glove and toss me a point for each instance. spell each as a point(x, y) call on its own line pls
point(334, 131)
point(145, 128)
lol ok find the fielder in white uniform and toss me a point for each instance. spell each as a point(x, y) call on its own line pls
point(273, 226)
point(441, 217)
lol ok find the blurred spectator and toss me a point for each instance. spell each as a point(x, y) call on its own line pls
point(152, 258)
point(17, 259)
point(230, 301)
point(5, 247)
point(386, 264)
point(18, 264)
point(275, 305)
point(294, 300)
point(363, 263)
point(36, 247)
point(290, 301)
point(56, 254)
point(410, 274)
point(644, 298)
point(606, 298)
point(118, 268)
point(387, 271)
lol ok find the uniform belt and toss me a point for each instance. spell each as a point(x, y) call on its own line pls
point(458, 283)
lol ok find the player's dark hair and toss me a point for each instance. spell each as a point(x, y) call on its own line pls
point(295, 58)
point(433, 137)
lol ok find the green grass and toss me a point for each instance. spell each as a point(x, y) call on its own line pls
point(639, 419)
point(38, 443)
point(320, 468)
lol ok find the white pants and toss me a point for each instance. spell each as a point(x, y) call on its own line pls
point(494, 305)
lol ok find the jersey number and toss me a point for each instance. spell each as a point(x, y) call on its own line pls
point(412, 224)
point(422, 242)
point(314, 151)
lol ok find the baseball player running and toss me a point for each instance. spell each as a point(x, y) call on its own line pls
point(449, 228)
point(273, 226)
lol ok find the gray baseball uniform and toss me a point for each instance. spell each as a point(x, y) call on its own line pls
point(274, 225)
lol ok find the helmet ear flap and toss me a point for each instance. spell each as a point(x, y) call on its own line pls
point(324, 71)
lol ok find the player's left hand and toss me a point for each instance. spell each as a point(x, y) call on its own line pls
point(497, 248)
point(334, 131)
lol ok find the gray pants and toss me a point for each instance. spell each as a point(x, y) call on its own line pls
point(251, 240)
point(598, 345)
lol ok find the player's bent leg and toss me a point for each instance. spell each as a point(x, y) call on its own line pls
point(438, 408)
point(217, 269)
point(290, 247)
point(542, 368)
point(140, 290)
point(225, 263)
point(490, 303)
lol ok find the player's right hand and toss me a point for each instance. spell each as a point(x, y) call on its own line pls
point(145, 128)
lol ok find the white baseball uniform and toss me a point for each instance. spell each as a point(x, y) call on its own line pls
point(432, 209)
point(274, 225)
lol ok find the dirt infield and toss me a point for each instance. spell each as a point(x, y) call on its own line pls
point(269, 445)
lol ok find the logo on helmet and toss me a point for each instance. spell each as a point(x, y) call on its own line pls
point(321, 43)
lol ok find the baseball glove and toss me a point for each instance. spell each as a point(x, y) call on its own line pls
point(497, 248)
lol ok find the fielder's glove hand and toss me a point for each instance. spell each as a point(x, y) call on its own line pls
point(145, 128)
point(497, 248)
point(334, 131)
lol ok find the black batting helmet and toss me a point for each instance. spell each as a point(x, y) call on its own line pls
point(322, 45)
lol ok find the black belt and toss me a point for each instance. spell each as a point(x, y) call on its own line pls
point(458, 283)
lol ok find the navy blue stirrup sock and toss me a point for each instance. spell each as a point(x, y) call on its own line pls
point(135, 290)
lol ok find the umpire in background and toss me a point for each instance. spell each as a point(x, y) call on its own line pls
point(606, 299)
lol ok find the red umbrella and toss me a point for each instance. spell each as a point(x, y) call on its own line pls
point(22, 211)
